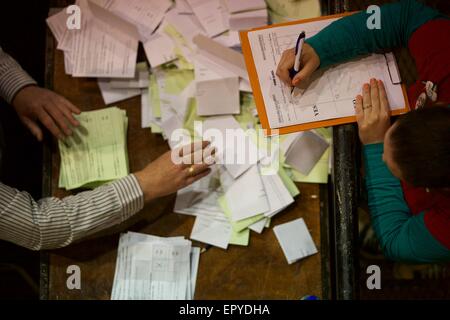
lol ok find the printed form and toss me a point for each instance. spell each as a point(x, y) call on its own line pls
point(330, 92)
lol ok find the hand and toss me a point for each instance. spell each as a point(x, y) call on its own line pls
point(309, 62)
point(163, 176)
point(34, 104)
point(373, 113)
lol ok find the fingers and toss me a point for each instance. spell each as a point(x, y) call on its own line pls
point(58, 117)
point(204, 173)
point(359, 110)
point(33, 127)
point(306, 71)
point(68, 109)
point(188, 149)
point(384, 103)
point(286, 63)
point(50, 124)
point(366, 106)
point(374, 97)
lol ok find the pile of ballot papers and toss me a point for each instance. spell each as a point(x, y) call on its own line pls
point(155, 268)
point(194, 73)
point(96, 152)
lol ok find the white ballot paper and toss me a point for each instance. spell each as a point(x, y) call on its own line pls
point(295, 240)
point(245, 5)
point(159, 49)
point(222, 55)
point(305, 151)
point(154, 268)
point(235, 149)
point(330, 92)
point(113, 95)
point(212, 231)
point(217, 89)
point(248, 20)
point(105, 46)
point(146, 15)
point(212, 14)
point(246, 196)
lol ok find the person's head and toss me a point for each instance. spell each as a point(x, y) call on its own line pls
point(417, 147)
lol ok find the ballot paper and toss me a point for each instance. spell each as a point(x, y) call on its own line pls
point(235, 149)
point(220, 54)
point(248, 20)
point(212, 15)
point(212, 231)
point(159, 49)
point(295, 240)
point(329, 94)
point(229, 39)
point(247, 5)
point(146, 15)
point(96, 152)
point(217, 89)
point(105, 46)
point(305, 151)
point(242, 202)
point(154, 268)
point(186, 23)
point(113, 95)
point(140, 79)
point(278, 195)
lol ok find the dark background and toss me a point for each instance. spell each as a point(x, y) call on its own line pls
point(22, 35)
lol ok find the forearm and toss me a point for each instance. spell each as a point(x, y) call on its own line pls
point(53, 223)
point(12, 77)
point(402, 236)
point(349, 37)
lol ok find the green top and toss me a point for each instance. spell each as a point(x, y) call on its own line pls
point(402, 236)
point(349, 37)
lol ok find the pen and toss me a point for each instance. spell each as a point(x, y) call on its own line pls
point(298, 54)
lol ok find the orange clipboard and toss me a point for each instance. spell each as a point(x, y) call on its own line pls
point(257, 94)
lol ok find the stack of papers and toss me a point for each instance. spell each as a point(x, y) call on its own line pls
point(101, 45)
point(155, 268)
point(96, 153)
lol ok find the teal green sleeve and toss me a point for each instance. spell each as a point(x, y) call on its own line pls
point(349, 37)
point(402, 236)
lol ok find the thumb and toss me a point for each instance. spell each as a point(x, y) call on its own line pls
point(33, 127)
point(304, 73)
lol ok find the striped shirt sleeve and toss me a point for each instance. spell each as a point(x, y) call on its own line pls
point(53, 223)
point(12, 77)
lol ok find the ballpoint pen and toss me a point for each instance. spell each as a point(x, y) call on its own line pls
point(298, 54)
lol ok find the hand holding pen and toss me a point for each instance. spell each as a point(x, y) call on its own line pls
point(308, 62)
point(298, 53)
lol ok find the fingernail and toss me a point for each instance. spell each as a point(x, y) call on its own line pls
point(295, 82)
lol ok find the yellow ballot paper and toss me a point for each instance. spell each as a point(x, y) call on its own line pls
point(96, 153)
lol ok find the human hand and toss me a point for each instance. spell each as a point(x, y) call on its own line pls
point(164, 176)
point(34, 104)
point(309, 62)
point(373, 112)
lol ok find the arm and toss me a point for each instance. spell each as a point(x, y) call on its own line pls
point(401, 235)
point(349, 37)
point(12, 77)
point(53, 223)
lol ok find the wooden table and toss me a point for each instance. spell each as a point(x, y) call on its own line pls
point(259, 271)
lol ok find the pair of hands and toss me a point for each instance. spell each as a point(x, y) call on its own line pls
point(36, 106)
point(372, 107)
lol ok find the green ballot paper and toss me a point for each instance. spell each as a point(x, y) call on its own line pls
point(96, 153)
